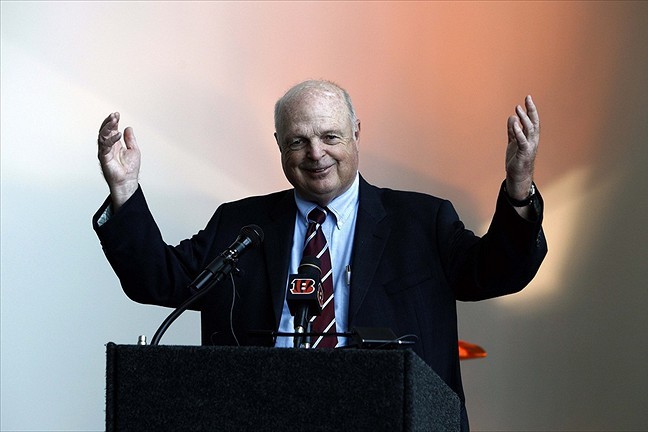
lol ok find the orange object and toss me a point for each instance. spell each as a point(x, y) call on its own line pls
point(470, 351)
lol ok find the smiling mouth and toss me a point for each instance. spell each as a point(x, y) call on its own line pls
point(317, 170)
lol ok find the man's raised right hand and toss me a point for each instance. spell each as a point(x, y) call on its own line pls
point(120, 163)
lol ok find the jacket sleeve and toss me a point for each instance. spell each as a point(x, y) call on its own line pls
point(150, 271)
point(502, 262)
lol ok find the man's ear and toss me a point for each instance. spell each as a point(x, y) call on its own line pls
point(277, 141)
point(356, 134)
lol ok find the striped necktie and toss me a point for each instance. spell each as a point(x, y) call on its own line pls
point(315, 245)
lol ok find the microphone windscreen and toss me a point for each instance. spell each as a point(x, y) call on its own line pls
point(310, 266)
point(254, 233)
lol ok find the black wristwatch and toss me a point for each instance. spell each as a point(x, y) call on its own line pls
point(521, 203)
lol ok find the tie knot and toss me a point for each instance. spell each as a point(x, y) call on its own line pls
point(317, 215)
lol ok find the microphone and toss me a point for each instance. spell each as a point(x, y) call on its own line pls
point(249, 237)
point(305, 297)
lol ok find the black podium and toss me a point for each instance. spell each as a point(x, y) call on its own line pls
point(197, 388)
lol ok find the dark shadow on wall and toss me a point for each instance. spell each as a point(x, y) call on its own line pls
point(579, 363)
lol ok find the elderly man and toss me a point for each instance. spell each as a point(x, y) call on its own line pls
point(397, 259)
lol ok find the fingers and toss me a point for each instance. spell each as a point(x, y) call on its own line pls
point(108, 133)
point(109, 128)
point(512, 120)
point(532, 112)
point(129, 139)
point(114, 117)
point(520, 136)
point(529, 118)
point(110, 140)
point(523, 135)
point(515, 133)
point(525, 125)
point(524, 119)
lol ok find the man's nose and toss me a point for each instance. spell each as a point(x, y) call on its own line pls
point(315, 149)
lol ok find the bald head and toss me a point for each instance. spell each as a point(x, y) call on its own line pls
point(309, 89)
point(317, 133)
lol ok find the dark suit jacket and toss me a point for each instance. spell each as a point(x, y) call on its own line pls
point(412, 259)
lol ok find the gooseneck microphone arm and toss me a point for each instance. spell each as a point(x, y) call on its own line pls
point(216, 271)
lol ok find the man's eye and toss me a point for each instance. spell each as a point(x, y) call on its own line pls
point(330, 138)
point(296, 144)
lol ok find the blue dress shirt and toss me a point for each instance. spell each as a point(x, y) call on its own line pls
point(339, 229)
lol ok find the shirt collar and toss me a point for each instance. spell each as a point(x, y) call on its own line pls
point(342, 206)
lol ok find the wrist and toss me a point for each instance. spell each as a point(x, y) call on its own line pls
point(515, 198)
point(119, 194)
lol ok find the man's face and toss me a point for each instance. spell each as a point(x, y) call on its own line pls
point(319, 145)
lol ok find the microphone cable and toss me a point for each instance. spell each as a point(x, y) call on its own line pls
point(231, 317)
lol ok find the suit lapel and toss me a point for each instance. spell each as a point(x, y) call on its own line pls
point(371, 233)
point(277, 246)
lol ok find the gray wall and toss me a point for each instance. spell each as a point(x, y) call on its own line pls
point(433, 84)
